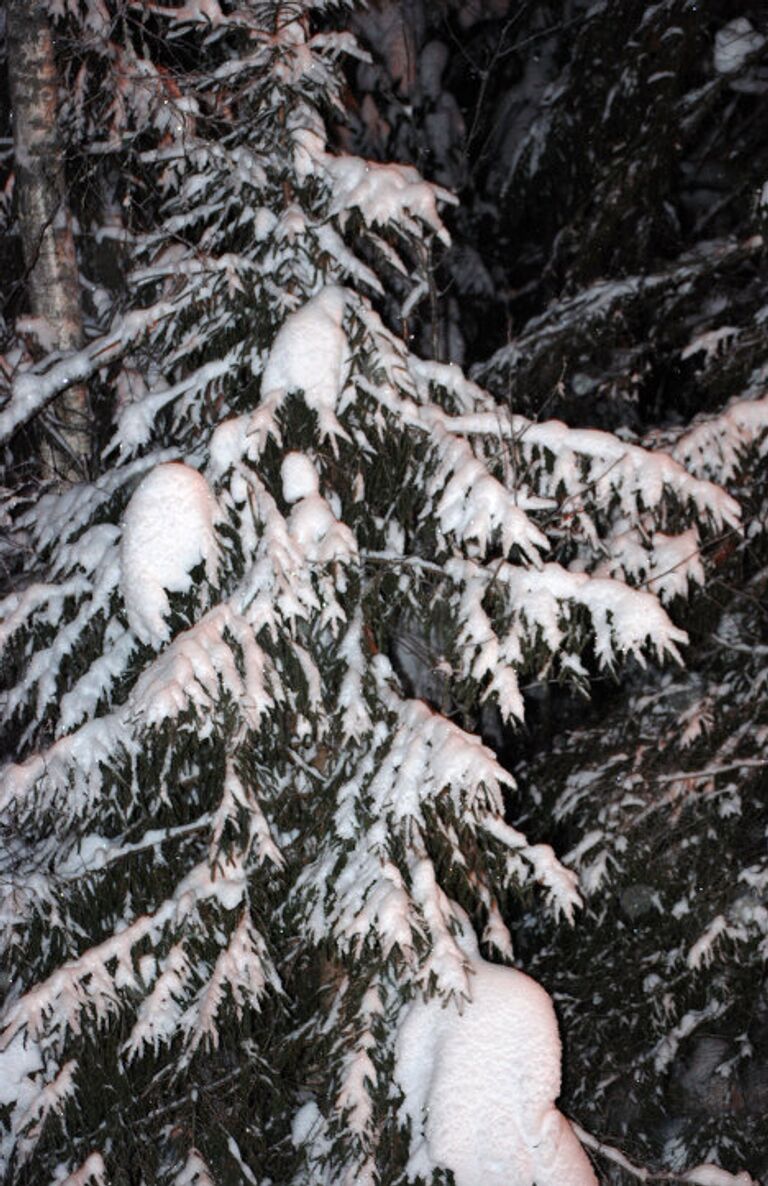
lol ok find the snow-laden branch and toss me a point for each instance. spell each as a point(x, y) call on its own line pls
point(31, 391)
point(715, 445)
point(649, 471)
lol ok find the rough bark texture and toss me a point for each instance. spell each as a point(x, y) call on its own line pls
point(44, 221)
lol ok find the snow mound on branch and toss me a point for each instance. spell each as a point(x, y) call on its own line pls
point(20, 1063)
point(311, 354)
point(734, 43)
point(168, 529)
point(299, 477)
point(480, 1084)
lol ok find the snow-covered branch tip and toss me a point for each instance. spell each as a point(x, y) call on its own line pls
point(32, 391)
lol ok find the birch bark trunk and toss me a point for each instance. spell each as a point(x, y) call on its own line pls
point(45, 223)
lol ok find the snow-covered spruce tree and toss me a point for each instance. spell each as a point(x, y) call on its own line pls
point(236, 856)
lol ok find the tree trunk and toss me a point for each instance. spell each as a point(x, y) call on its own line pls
point(45, 223)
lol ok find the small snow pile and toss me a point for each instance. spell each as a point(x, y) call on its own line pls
point(299, 477)
point(480, 1084)
point(168, 529)
point(312, 524)
point(734, 43)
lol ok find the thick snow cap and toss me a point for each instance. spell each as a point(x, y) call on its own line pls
point(168, 529)
point(480, 1084)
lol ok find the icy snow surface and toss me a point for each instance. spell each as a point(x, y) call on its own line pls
point(480, 1083)
point(168, 529)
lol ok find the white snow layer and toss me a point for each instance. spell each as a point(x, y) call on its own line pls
point(480, 1083)
point(168, 529)
point(20, 1061)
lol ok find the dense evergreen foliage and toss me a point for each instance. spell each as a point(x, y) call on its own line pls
point(611, 166)
point(247, 819)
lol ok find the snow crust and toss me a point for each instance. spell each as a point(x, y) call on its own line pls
point(168, 529)
point(480, 1082)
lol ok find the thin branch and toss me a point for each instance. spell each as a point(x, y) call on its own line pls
point(411, 561)
point(153, 839)
point(305, 766)
point(711, 771)
point(739, 647)
point(704, 1175)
